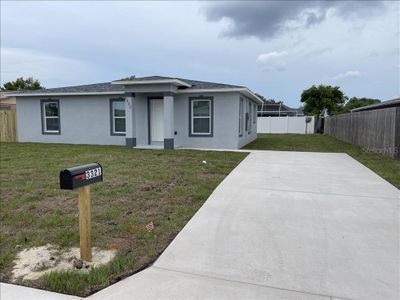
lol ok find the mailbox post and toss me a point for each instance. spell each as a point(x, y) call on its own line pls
point(85, 222)
point(80, 178)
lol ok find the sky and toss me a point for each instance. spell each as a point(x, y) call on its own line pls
point(275, 48)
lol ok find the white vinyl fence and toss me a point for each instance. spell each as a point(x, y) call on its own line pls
point(285, 125)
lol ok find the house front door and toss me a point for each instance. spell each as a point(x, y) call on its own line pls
point(156, 120)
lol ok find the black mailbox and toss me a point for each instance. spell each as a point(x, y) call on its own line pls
point(76, 177)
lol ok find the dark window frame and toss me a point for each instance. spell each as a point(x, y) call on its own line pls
point(241, 116)
point(249, 106)
point(42, 114)
point(246, 115)
point(254, 113)
point(202, 98)
point(112, 133)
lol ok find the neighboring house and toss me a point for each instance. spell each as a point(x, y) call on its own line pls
point(299, 112)
point(148, 112)
point(385, 104)
point(277, 109)
point(8, 125)
point(7, 102)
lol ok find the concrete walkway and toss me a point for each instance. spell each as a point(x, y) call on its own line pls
point(282, 225)
point(17, 292)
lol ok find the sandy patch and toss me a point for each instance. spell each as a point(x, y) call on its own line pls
point(31, 264)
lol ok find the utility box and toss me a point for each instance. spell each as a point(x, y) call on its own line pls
point(79, 176)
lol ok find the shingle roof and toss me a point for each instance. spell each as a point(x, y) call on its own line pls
point(196, 84)
point(105, 87)
point(384, 104)
point(86, 88)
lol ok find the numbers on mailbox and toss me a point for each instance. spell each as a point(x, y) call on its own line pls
point(93, 173)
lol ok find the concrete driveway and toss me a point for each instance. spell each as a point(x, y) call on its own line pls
point(283, 225)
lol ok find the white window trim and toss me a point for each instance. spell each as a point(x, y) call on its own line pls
point(114, 117)
point(44, 117)
point(192, 117)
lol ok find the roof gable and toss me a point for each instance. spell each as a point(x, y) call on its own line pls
point(194, 84)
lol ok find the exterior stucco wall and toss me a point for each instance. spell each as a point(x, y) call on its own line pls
point(141, 119)
point(84, 120)
point(225, 125)
point(248, 135)
point(150, 88)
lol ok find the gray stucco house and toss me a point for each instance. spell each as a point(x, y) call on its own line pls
point(146, 112)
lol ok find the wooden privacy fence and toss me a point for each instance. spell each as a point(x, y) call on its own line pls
point(8, 126)
point(374, 130)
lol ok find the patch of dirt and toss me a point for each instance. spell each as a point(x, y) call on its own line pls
point(157, 186)
point(182, 199)
point(117, 244)
point(31, 264)
point(66, 203)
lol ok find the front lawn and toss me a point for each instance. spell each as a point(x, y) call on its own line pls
point(382, 165)
point(139, 187)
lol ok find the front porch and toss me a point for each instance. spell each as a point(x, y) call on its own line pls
point(153, 146)
point(149, 113)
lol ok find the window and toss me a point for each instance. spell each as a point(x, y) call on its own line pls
point(50, 116)
point(201, 116)
point(249, 117)
point(118, 117)
point(241, 117)
point(254, 113)
point(246, 127)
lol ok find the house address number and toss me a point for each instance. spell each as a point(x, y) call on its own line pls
point(93, 173)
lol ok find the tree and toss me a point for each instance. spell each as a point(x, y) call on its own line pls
point(355, 102)
point(22, 84)
point(318, 98)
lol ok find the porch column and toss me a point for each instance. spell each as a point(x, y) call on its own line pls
point(168, 121)
point(130, 137)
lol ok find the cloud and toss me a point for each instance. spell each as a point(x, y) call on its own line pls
point(20, 62)
point(272, 61)
point(89, 49)
point(318, 51)
point(266, 19)
point(347, 75)
point(266, 57)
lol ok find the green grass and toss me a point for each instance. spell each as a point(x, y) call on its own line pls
point(139, 187)
point(98, 278)
point(384, 166)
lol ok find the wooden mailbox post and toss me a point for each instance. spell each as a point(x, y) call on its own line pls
point(80, 178)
